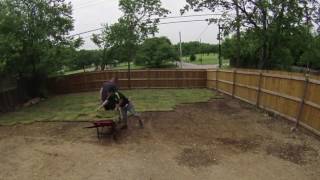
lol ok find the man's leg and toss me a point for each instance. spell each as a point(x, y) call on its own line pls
point(124, 117)
point(132, 111)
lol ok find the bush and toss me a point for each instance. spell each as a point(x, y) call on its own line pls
point(193, 58)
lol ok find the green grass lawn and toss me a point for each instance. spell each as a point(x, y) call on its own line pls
point(118, 67)
point(136, 67)
point(206, 59)
point(79, 71)
point(125, 66)
point(91, 69)
point(82, 106)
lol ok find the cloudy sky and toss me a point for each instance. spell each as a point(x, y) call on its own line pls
point(91, 14)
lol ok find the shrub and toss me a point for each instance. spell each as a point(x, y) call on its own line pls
point(193, 58)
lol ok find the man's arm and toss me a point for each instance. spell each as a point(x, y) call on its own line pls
point(101, 89)
point(104, 103)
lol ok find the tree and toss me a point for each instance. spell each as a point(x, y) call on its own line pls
point(32, 32)
point(156, 52)
point(249, 53)
point(311, 57)
point(102, 41)
point(84, 59)
point(267, 19)
point(140, 19)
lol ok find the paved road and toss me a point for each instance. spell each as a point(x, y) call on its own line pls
point(185, 65)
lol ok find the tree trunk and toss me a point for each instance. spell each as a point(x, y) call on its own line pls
point(103, 65)
point(263, 60)
point(238, 36)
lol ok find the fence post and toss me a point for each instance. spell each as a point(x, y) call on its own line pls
point(5, 100)
point(234, 82)
point(177, 79)
point(148, 78)
point(217, 80)
point(85, 83)
point(259, 89)
point(117, 74)
point(2, 106)
point(304, 95)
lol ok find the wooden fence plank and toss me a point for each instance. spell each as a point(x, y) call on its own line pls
point(302, 103)
point(234, 82)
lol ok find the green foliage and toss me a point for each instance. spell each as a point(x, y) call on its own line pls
point(141, 17)
point(193, 58)
point(84, 59)
point(120, 41)
point(285, 50)
point(32, 34)
point(195, 47)
point(249, 50)
point(281, 59)
point(271, 29)
point(311, 57)
point(81, 107)
point(156, 52)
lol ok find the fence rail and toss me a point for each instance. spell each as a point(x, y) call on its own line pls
point(139, 79)
point(290, 95)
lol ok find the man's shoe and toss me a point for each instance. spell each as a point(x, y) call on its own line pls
point(141, 125)
point(124, 127)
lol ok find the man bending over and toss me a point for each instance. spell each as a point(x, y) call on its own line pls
point(112, 99)
point(107, 89)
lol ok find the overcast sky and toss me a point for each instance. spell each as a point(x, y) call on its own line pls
point(91, 14)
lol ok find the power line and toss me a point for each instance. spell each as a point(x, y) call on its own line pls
point(86, 32)
point(173, 22)
point(186, 16)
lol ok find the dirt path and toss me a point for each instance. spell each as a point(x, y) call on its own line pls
point(222, 139)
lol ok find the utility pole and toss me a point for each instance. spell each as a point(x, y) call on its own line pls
point(180, 50)
point(129, 74)
point(200, 50)
point(219, 38)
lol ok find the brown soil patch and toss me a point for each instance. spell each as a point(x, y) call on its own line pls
point(194, 157)
point(242, 144)
point(295, 153)
point(220, 139)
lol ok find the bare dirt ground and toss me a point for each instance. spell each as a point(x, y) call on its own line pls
point(221, 139)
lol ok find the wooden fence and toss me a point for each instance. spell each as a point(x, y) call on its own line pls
point(8, 100)
point(291, 95)
point(8, 94)
point(139, 79)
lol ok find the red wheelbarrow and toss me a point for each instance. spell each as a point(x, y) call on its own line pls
point(101, 127)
